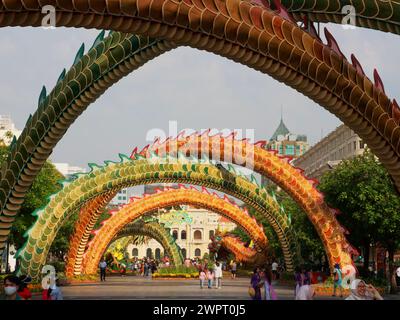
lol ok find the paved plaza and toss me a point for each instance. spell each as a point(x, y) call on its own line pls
point(138, 287)
point(131, 287)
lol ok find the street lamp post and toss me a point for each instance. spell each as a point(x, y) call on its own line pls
point(7, 254)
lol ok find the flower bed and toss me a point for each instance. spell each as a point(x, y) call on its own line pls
point(83, 279)
point(326, 289)
point(157, 275)
point(179, 272)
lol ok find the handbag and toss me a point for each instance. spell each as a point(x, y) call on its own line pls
point(252, 292)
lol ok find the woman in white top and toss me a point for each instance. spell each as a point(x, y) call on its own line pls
point(361, 291)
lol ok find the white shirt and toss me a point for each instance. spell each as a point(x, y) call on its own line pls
point(218, 271)
point(274, 266)
point(103, 264)
point(398, 272)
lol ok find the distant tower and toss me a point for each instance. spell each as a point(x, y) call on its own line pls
point(286, 143)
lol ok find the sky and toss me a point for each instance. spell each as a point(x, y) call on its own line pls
point(199, 90)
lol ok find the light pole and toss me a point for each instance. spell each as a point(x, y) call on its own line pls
point(7, 254)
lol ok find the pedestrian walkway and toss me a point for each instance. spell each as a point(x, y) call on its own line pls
point(141, 288)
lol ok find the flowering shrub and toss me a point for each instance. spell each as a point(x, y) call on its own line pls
point(177, 272)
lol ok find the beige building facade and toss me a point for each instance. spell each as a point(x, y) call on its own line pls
point(191, 227)
point(341, 144)
point(7, 127)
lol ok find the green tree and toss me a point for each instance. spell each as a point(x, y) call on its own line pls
point(363, 191)
point(311, 247)
point(45, 184)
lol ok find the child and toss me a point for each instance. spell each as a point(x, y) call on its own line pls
point(210, 277)
point(202, 277)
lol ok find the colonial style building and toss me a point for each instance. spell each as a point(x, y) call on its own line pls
point(286, 144)
point(191, 227)
point(339, 145)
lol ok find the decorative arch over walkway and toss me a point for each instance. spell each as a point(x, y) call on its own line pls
point(88, 216)
point(150, 203)
point(170, 197)
point(152, 229)
point(255, 36)
point(267, 163)
point(115, 176)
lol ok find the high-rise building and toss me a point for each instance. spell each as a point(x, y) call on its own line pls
point(342, 143)
point(8, 130)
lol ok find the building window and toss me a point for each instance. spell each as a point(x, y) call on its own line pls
point(175, 234)
point(290, 149)
point(158, 254)
point(211, 234)
point(135, 252)
point(149, 253)
point(183, 235)
point(361, 145)
point(197, 252)
point(197, 235)
point(355, 145)
point(184, 253)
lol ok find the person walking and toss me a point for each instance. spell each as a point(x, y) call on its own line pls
point(210, 277)
point(218, 275)
point(269, 292)
point(398, 276)
point(202, 277)
point(103, 267)
point(233, 270)
point(146, 269)
point(256, 284)
point(337, 280)
point(306, 275)
point(298, 278)
point(274, 267)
